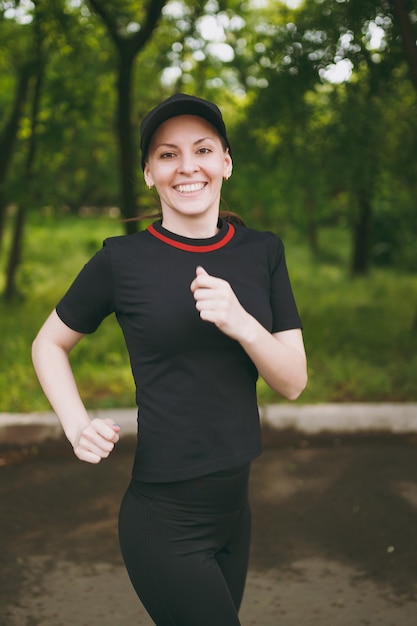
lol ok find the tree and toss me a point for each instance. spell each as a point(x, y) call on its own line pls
point(296, 54)
point(38, 63)
point(40, 122)
point(402, 11)
point(129, 37)
point(24, 67)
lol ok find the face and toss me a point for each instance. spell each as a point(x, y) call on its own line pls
point(187, 163)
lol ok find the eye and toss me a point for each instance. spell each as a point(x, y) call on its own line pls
point(204, 150)
point(166, 155)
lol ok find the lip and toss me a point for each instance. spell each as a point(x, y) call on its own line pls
point(189, 189)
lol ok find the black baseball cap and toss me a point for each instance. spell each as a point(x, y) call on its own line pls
point(180, 104)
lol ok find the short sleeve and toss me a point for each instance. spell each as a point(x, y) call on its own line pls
point(90, 298)
point(283, 305)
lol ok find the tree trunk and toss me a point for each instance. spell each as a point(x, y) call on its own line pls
point(408, 37)
point(8, 137)
point(15, 255)
point(362, 236)
point(128, 47)
point(127, 156)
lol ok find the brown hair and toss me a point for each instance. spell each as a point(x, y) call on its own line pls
point(227, 216)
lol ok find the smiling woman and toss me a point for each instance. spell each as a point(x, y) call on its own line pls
point(187, 170)
point(205, 306)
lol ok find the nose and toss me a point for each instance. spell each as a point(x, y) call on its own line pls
point(188, 164)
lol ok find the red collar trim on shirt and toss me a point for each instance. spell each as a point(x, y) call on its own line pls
point(187, 247)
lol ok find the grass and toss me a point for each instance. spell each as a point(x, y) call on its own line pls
point(359, 334)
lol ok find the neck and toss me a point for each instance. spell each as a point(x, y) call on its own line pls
point(193, 228)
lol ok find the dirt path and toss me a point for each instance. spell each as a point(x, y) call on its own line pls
point(334, 540)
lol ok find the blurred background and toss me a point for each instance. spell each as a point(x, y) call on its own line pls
point(320, 99)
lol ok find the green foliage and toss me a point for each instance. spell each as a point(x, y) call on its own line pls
point(76, 155)
point(358, 333)
point(306, 150)
point(56, 249)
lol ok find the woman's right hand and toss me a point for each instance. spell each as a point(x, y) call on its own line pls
point(96, 440)
point(92, 440)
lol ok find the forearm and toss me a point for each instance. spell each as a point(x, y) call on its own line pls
point(92, 440)
point(52, 366)
point(279, 358)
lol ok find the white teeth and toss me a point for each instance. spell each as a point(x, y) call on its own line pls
point(190, 188)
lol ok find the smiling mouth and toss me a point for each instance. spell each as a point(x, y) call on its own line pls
point(190, 188)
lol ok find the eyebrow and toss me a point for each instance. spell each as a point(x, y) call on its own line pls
point(173, 145)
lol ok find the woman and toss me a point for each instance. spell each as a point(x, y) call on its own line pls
point(205, 305)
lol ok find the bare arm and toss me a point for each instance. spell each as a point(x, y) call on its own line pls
point(279, 357)
point(91, 440)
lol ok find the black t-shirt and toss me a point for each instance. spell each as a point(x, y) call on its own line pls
point(195, 387)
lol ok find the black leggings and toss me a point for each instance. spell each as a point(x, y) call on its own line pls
point(186, 547)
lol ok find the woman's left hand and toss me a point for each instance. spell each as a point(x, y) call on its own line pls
point(217, 303)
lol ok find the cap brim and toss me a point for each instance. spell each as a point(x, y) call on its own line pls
point(175, 106)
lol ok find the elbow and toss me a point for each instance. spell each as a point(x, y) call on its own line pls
point(295, 391)
point(38, 340)
point(297, 377)
point(38, 350)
